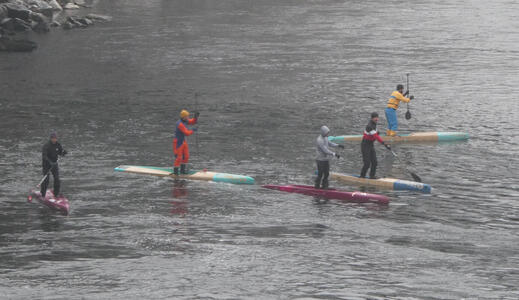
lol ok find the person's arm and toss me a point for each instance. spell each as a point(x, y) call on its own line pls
point(322, 145)
point(332, 144)
point(378, 138)
point(401, 97)
point(194, 120)
point(335, 145)
point(62, 151)
point(184, 129)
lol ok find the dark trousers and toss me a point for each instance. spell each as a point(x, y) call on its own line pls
point(45, 184)
point(369, 157)
point(323, 171)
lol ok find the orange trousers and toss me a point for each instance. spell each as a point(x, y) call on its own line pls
point(181, 153)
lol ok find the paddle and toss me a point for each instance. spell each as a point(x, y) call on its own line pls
point(198, 126)
point(43, 179)
point(46, 175)
point(415, 177)
point(48, 172)
point(407, 113)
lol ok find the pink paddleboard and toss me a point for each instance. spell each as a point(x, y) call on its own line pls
point(359, 197)
point(56, 203)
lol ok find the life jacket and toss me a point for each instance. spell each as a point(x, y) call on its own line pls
point(395, 98)
point(371, 133)
point(180, 132)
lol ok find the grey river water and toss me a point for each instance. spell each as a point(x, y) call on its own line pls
point(268, 75)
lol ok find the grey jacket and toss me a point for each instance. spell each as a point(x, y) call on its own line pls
point(323, 146)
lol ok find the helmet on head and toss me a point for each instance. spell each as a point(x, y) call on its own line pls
point(53, 135)
point(374, 115)
point(184, 114)
point(325, 130)
point(399, 87)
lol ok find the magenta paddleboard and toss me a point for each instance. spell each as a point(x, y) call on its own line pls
point(358, 197)
point(56, 203)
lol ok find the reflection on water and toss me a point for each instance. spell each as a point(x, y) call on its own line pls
point(179, 192)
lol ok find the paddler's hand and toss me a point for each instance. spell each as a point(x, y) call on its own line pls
point(337, 155)
point(195, 129)
point(197, 114)
point(412, 97)
point(388, 147)
point(340, 146)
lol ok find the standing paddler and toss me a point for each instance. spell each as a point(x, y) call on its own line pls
point(180, 148)
point(369, 156)
point(324, 155)
point(49, 155)
point(392, 106)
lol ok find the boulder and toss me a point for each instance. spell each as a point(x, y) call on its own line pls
point(85, 21)
point(17, 10)
point(67, 25)
point(41, 27)
point(101, 18)
point(39, 18)
point(15, 24)
point(13, 45)
point(73, 22)
point(70, 5)
point(4, 12)
point(40, 23)
point(55, 5)
point(42, 7)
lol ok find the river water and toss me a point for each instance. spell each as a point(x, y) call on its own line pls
point(265, 75)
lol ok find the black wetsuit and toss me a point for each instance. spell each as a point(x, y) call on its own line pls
point(49, 155)
point(369, 156)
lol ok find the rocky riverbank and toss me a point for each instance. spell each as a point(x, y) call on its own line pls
point(18, 17)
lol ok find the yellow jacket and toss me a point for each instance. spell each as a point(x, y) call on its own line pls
point(395, 99)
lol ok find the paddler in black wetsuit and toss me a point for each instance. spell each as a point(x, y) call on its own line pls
point(49, 155)
point(369, 156)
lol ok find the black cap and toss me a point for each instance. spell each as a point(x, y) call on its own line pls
point(374, 115)
point(53, 134)
point(399, 87)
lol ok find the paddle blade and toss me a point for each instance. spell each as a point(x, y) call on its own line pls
point(416, 177)
point(408, 115)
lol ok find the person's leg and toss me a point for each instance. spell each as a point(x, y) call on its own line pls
point(57, 181)
point(176, 163)
point(365, 159)
point(319, 175)
point(45, 183)
point(392, 121)
point(395, 123)
point(176, 151)
point(326, 173)
point(374, 163)
point(387, 112)
point(185, 158)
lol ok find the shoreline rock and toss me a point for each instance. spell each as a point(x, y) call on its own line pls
point(71, 5)
point(19, 16)
point(55, 5)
